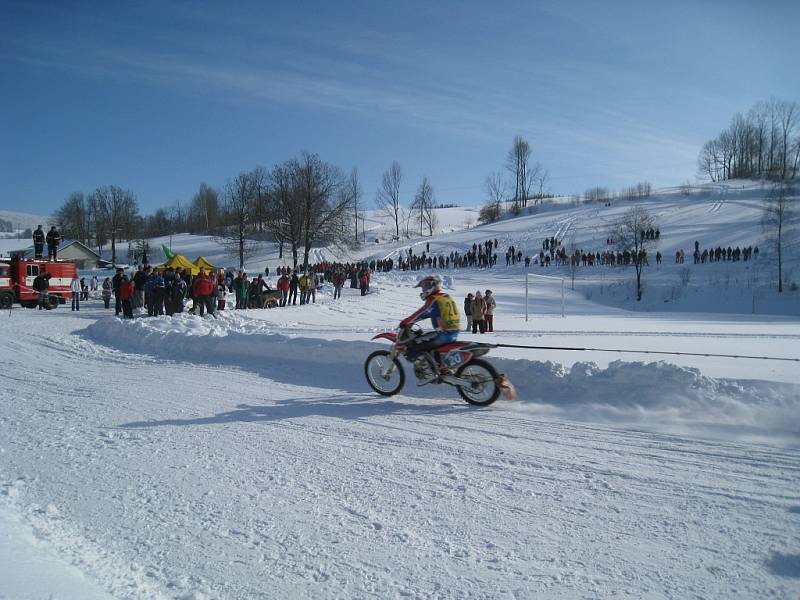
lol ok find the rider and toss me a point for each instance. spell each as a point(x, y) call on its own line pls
point(442, 310)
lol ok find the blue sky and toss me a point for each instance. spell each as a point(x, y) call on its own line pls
point(158, 97)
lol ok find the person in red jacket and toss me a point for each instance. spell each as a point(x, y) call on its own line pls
point(203, 290)
point(283, 287)
point(126, 291)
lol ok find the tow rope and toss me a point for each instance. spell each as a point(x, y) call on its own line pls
point(706, 354)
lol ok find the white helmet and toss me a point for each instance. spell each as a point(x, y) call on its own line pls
point(429, 285)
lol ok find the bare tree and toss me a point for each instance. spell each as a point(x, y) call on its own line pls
point(203, 214)
point(629, 235)
point(324, 211)
point(353, 190)
point(285, 216)
point(778, 221)
point(496, 190)
point(541, 177)
point(787, 121)
point(259, 178)
point(115, 213)
point(238, 198)
point(73, 217)
point(388, 196)
point(518, 164)
point(422, 207)
point(764, 143)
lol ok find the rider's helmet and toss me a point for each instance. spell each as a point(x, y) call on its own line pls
point(429, 285)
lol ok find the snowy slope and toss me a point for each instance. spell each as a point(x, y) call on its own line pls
point(726, 214)
point(23, 220)
point(221, 477)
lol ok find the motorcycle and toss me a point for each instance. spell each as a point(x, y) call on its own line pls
point(476, 380)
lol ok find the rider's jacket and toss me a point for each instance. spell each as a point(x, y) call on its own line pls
point(441, 309)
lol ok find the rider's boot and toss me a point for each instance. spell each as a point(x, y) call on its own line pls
point(425, 369)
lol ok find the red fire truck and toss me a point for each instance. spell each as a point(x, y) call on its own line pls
point(16, 281)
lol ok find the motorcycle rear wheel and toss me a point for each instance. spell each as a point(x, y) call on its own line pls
point(483, 375)
point(375, 370)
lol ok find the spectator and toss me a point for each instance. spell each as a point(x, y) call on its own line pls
point(304, 285)
point(478, 310)
point(490, 306)
point(139, 286)
point(203, 291)
point(75, 288)
point(116, 284)
point(468, 310)
point(178, 293)
point(294, 283)
point(106, 293)
point(126, 291)
point(312, 289)
point(38, 242)
point(53, 240)
point(240, 287)
point(338, 283)
point(283, 288)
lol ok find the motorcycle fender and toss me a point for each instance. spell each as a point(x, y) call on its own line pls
point(506, 387)
point(386, 335)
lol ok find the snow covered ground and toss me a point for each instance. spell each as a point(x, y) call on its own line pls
point(245, 456)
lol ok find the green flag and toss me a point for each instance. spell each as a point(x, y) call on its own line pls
point(167, 252)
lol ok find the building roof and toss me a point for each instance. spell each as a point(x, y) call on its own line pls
point(67, 243)
point(28, 251)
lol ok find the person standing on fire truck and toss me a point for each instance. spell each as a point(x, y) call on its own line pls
point(38, 242)
point(53, 240)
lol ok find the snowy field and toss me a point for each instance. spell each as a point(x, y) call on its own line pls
point(245, 456)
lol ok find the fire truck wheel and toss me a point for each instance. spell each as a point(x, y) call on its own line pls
point(52, 302)
point(6, 301)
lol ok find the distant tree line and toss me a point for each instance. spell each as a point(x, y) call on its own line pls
point(763, 143)
point(298, 204)
point(6, 225)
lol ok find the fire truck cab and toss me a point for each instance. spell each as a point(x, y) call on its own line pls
point(16, 281)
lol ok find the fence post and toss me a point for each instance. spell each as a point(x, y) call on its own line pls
point(562, 299)
point(526, 296)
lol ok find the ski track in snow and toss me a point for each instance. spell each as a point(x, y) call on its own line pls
point(171, 479)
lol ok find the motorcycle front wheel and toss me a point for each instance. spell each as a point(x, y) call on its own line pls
point(384, 374)
point(482, 390)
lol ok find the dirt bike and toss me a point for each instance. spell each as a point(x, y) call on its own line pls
point(476, 380)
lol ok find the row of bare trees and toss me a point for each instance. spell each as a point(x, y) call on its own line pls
point(421, 210)
point(301, 203)
point(107, 215)
point(520, 182)
point(763, 143)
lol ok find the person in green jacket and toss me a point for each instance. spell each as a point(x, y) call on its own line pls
point(240, 287)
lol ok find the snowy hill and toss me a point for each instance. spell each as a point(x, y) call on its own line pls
point(22, 220)
point(723, 215)
point(245, 456)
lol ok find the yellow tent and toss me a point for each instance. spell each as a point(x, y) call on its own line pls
point(179, 261)
point(202, 263)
